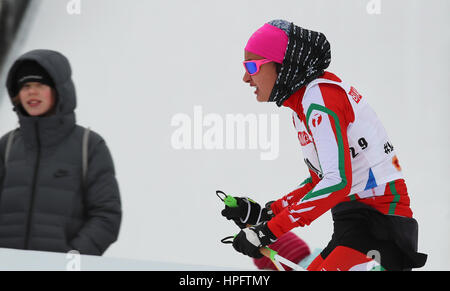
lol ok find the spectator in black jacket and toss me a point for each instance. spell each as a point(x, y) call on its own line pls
point(58, 190)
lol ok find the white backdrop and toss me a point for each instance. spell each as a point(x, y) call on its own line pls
point(138, 63)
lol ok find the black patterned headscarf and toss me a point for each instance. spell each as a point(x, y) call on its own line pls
point(307, 56)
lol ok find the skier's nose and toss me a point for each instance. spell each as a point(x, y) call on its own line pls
point(246, 77)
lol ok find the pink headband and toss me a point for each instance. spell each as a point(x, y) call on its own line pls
point(269, 42)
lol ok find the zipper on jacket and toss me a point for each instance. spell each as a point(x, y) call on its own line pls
point(33, 189)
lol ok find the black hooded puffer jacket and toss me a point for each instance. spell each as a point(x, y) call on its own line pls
point(44, 204)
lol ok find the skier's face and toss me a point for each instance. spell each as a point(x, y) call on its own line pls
point(264, 80)
point(37, 99)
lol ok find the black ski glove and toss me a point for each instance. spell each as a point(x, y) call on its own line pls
point(251, 239)
point(247, 212)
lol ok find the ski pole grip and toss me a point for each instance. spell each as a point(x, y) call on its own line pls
point(230, 201)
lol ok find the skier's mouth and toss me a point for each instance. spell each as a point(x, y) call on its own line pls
point(34, 103)
point(256, 91)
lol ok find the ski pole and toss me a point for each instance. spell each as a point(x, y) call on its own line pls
point(275, 257)
point(230, 201)
point(270, 254)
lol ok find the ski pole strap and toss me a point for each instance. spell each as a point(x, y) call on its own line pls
point(219, 193)
point(229, 201)
point(228, 239)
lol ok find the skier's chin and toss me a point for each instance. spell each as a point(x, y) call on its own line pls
point(261, 97)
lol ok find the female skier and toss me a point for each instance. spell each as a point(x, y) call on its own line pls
point(354, 168)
